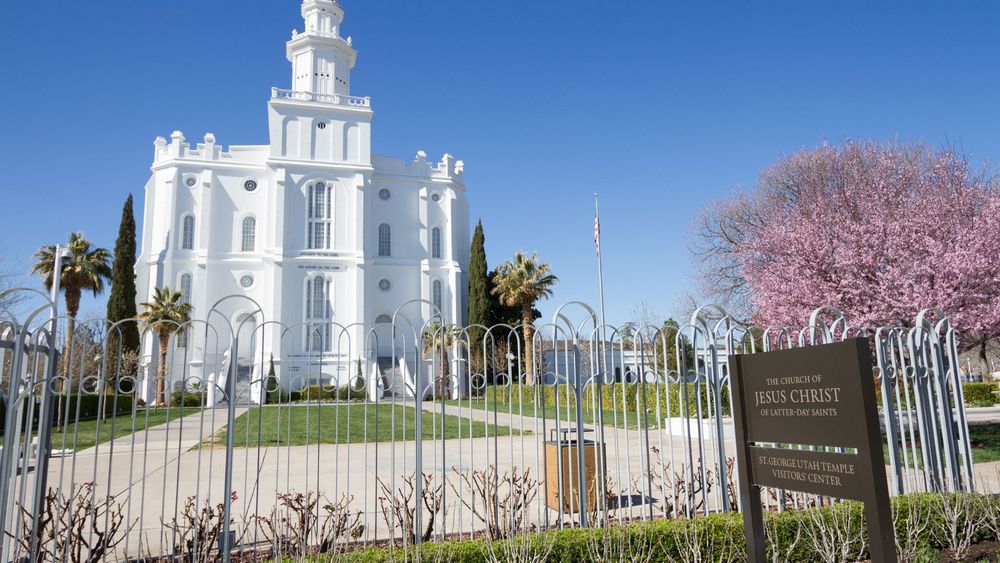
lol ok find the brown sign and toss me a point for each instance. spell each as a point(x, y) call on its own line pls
point(809, 395)
point(822, 473)
point(795, 412)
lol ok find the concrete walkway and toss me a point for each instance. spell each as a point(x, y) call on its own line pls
point(982, 415)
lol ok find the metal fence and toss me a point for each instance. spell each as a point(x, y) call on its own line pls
point(268, 440)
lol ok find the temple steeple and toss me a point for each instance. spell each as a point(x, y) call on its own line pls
point(321, 59)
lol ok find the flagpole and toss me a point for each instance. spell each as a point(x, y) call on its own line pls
point(600, 263)
point(602, 461)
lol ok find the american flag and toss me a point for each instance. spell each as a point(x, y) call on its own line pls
point(597, 234)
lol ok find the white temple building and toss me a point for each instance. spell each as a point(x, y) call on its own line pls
point(310, 227)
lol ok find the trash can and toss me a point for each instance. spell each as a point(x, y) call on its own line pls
point(566, 448)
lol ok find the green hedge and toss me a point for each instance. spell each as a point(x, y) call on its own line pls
point(975, 394)
point(613, 396)
point(980, 394)
point(89, 406)
point(327, 393)
point(616, 396)
point(721, 537)
point(68, 405)
point(182, 398)
point(313, 393)
point(281, 396)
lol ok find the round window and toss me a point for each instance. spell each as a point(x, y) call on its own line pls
point(384, 194)
point(321, 125)
point(246, 281)
point(436, 197)
point(250, 185)
point(384, 284)
point(190, 181)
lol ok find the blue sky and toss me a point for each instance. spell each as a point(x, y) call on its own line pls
point(659, 106)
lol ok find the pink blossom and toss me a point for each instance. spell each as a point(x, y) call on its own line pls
point(880, 232)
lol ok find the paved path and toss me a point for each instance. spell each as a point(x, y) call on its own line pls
point(982, 415)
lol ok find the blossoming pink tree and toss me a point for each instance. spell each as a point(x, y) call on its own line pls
point(878, 231)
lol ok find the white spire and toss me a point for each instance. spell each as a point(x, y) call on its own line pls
point(321, 58)
point(322, 17)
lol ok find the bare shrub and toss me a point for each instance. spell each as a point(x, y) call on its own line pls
point(990, 506)
point(775, 551)
point(729, 471)
point(499, 502)
point(961, 516)
point(399, 509)
point(304, 523)
point(522, 548)
point(196, 533)
point(911, 521)
point(837, 534)
point(678, 495)
point(789, 500)
point(683, 497)
point(611, 503)
point(442, 552)
point(697, 542)
point(79, 528)
point(619, 544)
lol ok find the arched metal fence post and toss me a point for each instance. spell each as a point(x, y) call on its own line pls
point(226, 541)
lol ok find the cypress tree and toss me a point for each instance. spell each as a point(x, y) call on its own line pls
point(121, 302)
point(479, 295)
point(272, 389)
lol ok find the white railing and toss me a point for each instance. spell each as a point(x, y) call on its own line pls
point(334, 99)
point(326, 34)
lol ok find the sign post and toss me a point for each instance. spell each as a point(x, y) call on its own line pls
point(821, 396)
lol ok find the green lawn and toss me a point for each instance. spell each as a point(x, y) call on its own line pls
point(84, 434)
point(331, 423)
point(984, 439)
point(528, 410)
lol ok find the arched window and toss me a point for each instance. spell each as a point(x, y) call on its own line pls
point(436, 294)
point(383, 319)
point(384, 240)
point(187, 233)
point(185, 289)
point(320, 217)
point(319, 299)
point(248, 240)
point(435, 242)
point(318, 311)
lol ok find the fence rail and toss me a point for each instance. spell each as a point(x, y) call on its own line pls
point(222, 438)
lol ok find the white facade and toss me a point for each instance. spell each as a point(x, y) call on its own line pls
point(311, 226)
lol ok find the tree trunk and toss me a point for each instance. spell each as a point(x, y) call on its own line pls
point(161, 380)
point(529, 334)
point(445, 374)
point(72, 308)
point(983, 358)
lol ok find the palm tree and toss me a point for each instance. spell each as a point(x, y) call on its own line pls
point(438, 340)
point(84, 268)
point(165, 315)
point(521, 282)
